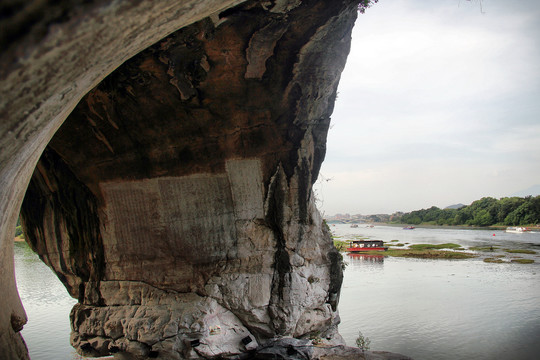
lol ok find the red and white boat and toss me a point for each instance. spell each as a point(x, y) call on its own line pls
point(366, 245)
point(517, 230)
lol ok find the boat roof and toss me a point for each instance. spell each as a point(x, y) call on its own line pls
point(366, 240)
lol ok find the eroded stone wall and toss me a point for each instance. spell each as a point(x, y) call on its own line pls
point(52, 55)
point(175, 201)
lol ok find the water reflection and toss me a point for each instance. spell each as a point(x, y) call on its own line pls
point(47, 304)
point(427, 309)
point(443, 309)
point(363, 259)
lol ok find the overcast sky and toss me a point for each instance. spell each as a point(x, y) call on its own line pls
point(438, 104)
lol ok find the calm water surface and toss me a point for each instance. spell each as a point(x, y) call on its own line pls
point(427, 309)
point(47, 304)
point(443, 309)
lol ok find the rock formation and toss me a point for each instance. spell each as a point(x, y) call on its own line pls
point(175, 200)
point(52, 55)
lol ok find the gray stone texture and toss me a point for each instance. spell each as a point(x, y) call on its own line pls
point(168, 151)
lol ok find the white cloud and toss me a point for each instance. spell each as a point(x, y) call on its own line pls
point(437, 102)
point(426, 56)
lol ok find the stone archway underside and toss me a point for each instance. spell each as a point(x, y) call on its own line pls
point(176, 196)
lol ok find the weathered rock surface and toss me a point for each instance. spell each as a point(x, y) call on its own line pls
point(176, 197)
point(175, 201)
point(52, 55)
point(300, 349)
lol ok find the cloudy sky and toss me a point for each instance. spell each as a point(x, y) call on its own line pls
point(439, 104)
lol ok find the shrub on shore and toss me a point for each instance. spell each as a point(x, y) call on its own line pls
point(362, 341)
point(340, 245)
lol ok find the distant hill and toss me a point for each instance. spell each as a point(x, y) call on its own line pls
point(456, 206)
point(533, 191)
point(488, 211)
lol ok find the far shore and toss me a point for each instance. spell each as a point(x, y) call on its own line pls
point(434, 226)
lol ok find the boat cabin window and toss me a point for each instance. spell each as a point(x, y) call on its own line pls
point(374, 243)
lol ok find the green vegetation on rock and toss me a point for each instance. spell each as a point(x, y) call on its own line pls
point(340, 245)
point(18, 229)
point(364, 4)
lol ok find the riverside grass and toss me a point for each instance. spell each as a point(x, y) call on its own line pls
point(484, 248)
point(430, 251)
point(413, 253)
point(522, 261)
point(424, 251)
point(434, 247)
point(437, 251)
point(515, 261)
point(519, 251)
point(427, 254)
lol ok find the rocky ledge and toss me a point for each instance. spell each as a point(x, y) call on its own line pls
point(295, 349)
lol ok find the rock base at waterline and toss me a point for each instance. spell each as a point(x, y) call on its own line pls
point(293, 349)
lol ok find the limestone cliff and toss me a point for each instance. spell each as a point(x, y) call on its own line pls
point(175, 201)
point(53, 53)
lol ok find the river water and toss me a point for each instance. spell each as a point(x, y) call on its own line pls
point(444, 309)
point(426, 309)
point(47, 304)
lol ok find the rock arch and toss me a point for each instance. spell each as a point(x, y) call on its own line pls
point(208, 139)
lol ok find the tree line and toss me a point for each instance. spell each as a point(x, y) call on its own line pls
point(18, 229)
point(508, 211)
